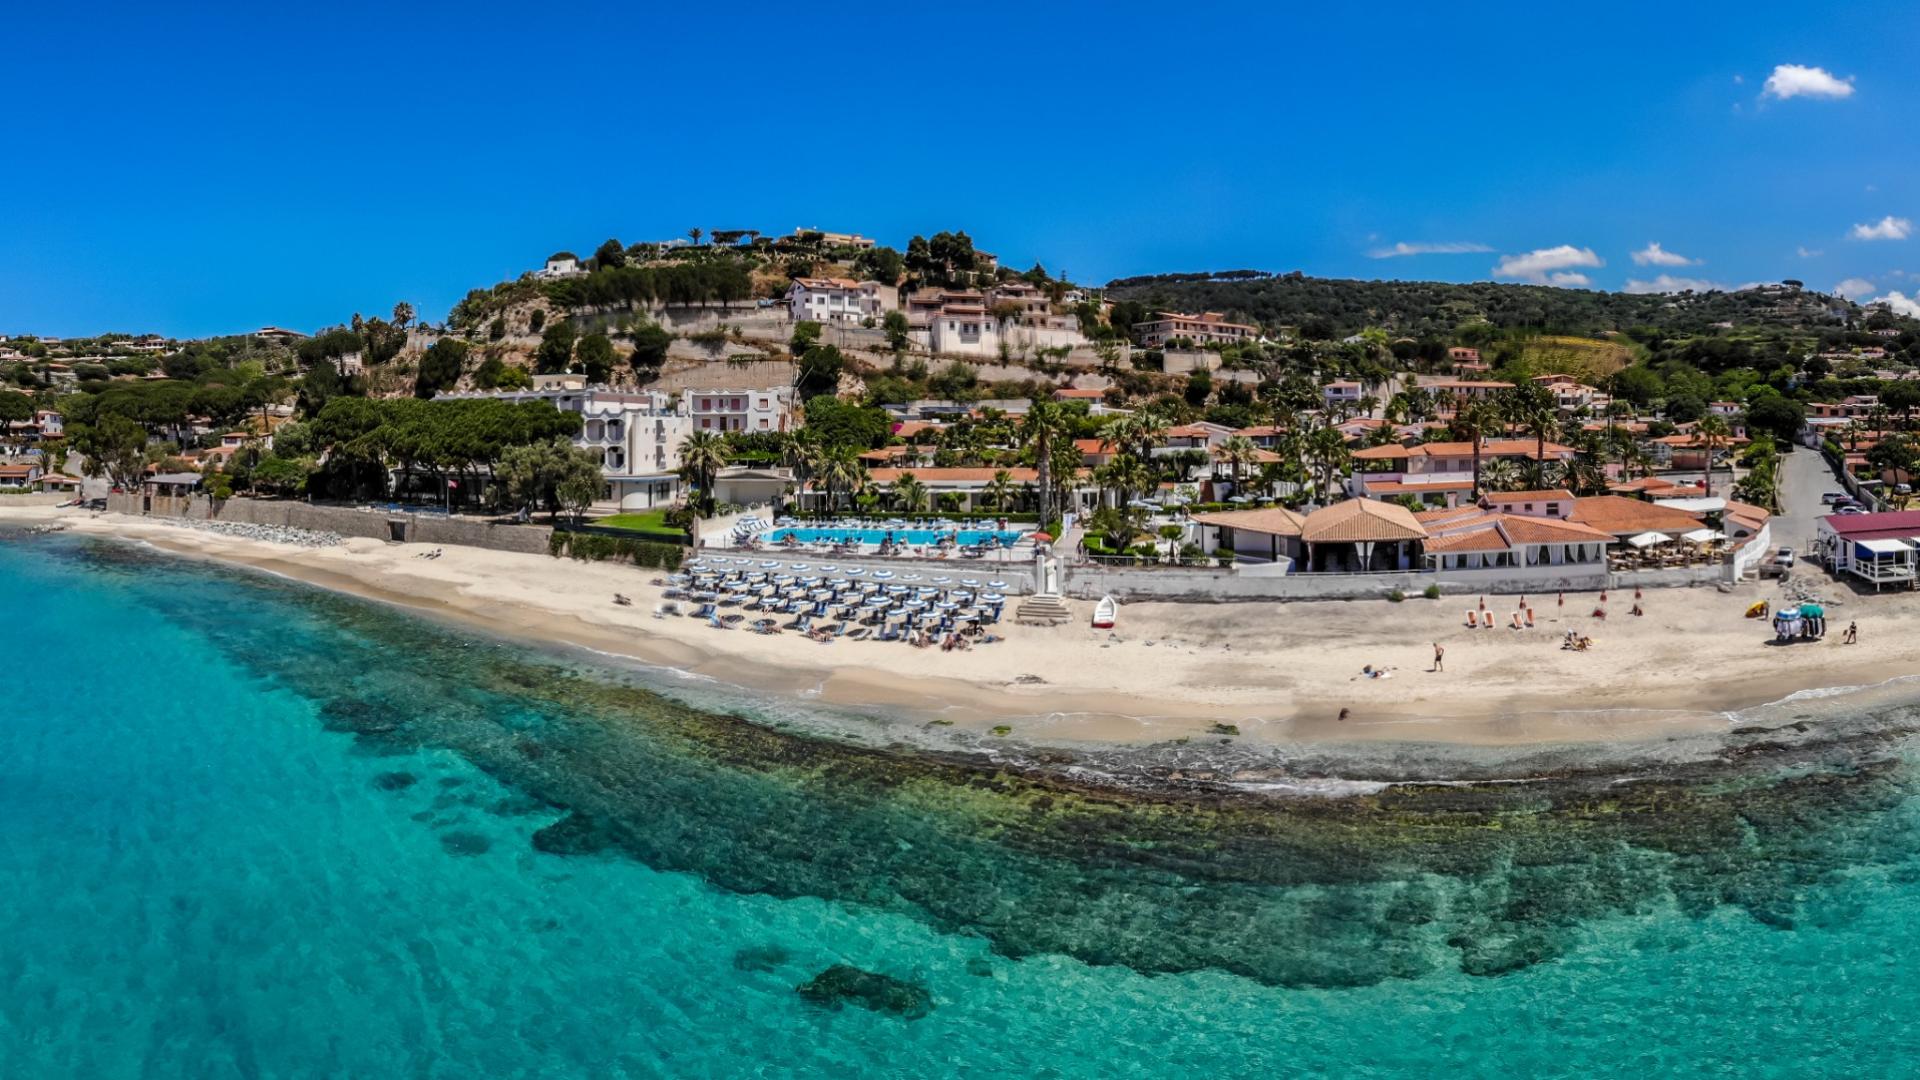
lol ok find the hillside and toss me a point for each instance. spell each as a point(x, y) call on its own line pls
point(1324, 308)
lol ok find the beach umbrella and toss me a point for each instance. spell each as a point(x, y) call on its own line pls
point(970, 583)
point(943, 581)
point(1814, 611)
point(996, 585)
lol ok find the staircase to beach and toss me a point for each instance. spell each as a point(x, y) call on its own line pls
point(1039, 610)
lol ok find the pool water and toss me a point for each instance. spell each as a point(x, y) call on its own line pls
point(966, 537)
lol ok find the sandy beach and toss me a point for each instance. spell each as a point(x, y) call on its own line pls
point(1279, 673)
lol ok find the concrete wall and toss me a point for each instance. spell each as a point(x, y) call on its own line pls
point(348, 521)
point(1204, 584)
point(34, 498)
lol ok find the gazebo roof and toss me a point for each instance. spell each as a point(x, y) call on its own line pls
point(1361, 521)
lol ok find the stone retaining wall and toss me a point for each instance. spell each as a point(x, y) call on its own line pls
point(347, 521)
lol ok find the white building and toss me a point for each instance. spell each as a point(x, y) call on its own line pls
point(636, 435)
point(1206, 328)
point(831, 300)
point(739, 410)
point(561, 264)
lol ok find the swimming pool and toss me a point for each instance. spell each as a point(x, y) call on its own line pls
point(966, 537)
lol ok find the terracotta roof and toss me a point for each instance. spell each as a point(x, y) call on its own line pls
point(1401, 487)
point(1074, 393)
point(1361, 521)
point(1527, 448)
point(1278, 520)
point(1094, 446)
point(1433, 519)
point(1527, 496)
point(1260, 431)
point(1483, 538)
point(952, 476)
point(1622, 516)
point(1264, 457)
point(1533, 530)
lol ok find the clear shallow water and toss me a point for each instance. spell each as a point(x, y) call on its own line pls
point(276, 833)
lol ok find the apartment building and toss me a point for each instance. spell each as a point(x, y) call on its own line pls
point(1206, 328)
point(839, 300)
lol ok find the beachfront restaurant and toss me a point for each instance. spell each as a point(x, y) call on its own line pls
point(1360, 536)
point(1881, 548)
point(1255, 536)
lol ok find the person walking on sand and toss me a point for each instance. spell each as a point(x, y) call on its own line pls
point(1852, 635)
point(1439, 657)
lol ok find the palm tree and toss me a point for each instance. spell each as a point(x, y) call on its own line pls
point(999, 490)
point(1239, 453)
point(702, 455)
point(1473, 420)
point(696, 234)
point(839, 469)
point(1326, 449)
point(1045, 422)
point(910, 493)
point(1501, 474)
point(1714, 432)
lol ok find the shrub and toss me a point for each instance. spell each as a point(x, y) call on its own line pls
point(593, 547)
point(1396, 596)
point(1432, 592)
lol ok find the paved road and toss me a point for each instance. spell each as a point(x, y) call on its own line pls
point(1804, 477)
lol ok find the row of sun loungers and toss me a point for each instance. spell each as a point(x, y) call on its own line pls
point(827, 608)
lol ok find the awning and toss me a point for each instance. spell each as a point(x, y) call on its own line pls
point(1648, 539)
point(1702, 536)
point(1884, 547)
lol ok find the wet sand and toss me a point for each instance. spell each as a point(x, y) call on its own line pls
point(1279, 674)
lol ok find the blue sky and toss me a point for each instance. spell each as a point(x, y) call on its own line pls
point(198, 171)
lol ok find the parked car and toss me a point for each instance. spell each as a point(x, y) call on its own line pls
point(1783, 558)
point(1833, 497)
point(1849, 509)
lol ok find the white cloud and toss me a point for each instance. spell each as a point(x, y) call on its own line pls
point(1667, 283)
point(1654, 255)
point(1534, 266)
point(1570, 281)
point(1404, 248)
point(1887, 228)
point(1900, 303)
point(1854, 288)
point(1804, 253)
point(1797, 80)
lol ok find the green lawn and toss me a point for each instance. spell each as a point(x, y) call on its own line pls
point(648, 520)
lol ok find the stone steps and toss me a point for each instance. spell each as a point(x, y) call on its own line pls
point(1042, 611)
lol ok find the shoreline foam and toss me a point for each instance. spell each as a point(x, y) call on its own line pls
point(1519, 696)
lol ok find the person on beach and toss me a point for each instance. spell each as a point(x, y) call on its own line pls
point(1852, 635)
point(1439, 657)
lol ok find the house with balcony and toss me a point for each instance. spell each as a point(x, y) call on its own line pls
point(1206, 328)
point(839, 300)
point(1343, 393)
point(636, 436)
point(722, 411)
point(1439, 473)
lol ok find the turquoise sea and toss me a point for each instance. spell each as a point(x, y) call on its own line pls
point(252, 829)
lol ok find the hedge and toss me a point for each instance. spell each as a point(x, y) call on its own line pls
point(592, 547)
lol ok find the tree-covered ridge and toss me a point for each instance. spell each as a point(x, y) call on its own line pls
point(1323, 308)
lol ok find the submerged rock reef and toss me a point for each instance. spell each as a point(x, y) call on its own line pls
point(1146, 869)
